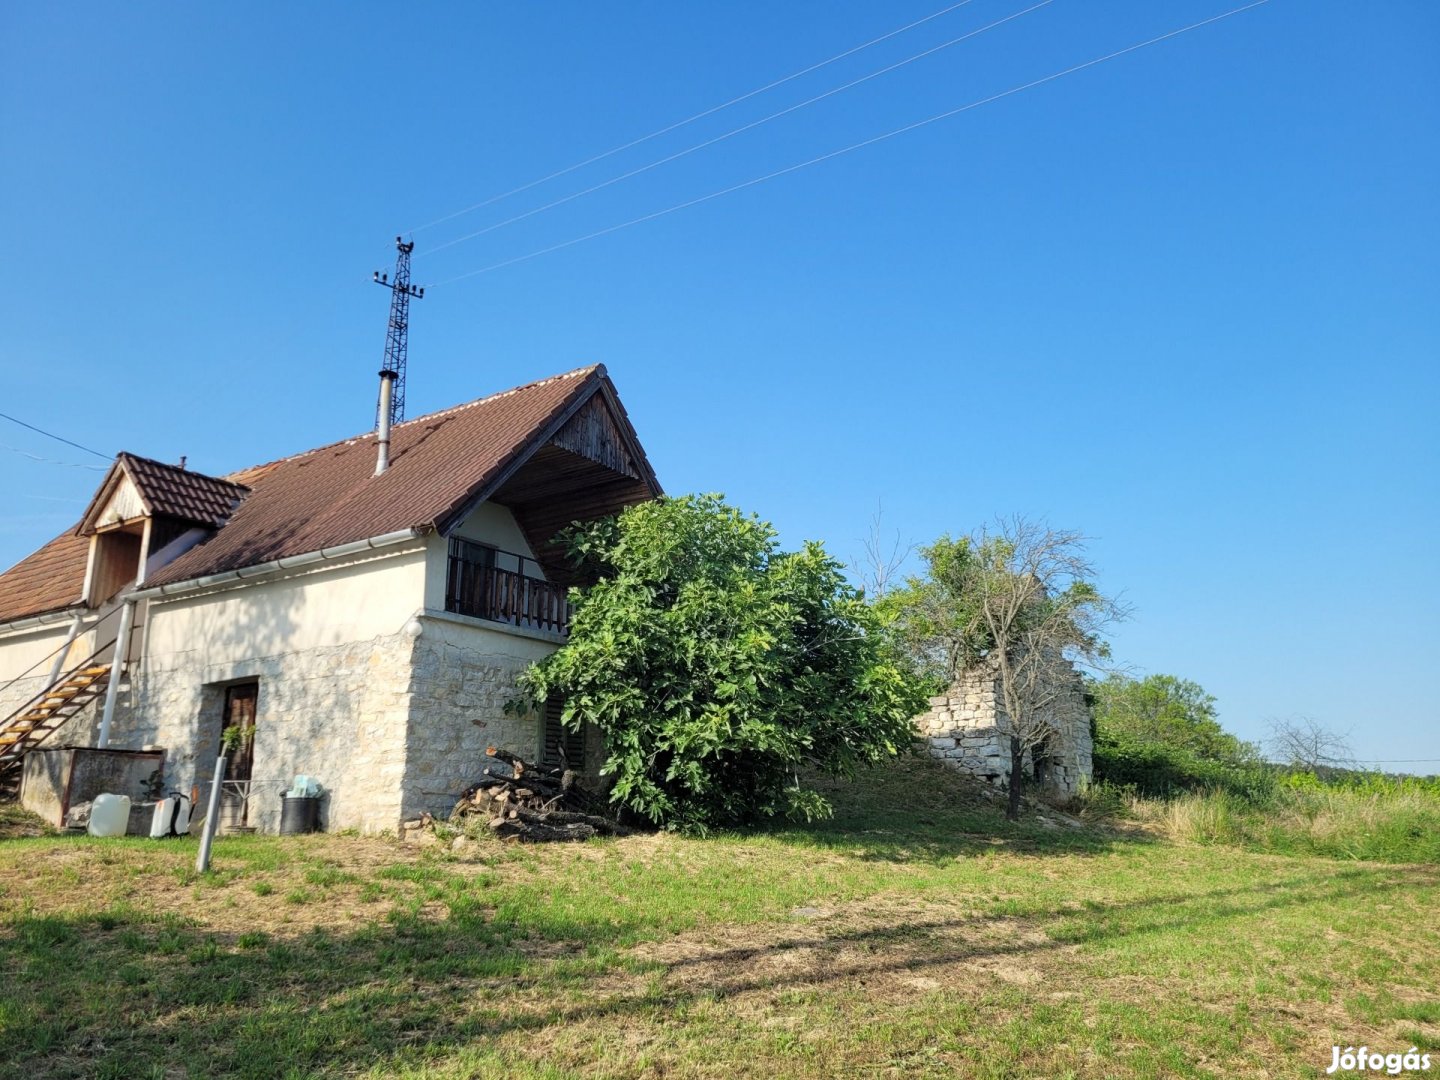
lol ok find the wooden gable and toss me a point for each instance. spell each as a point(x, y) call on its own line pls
point(117, 502)
point(594, 433)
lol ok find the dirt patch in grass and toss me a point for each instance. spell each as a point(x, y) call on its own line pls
point(282, 888)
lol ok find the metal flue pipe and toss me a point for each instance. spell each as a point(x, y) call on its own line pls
point(382, 423)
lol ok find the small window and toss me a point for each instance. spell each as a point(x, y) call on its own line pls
point(559, 738)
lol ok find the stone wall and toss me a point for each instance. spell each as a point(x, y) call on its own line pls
point(965, 728)
point(391, 727)
point(337, 713)
point(21, 691)
point(464, 674)
point(457, 710)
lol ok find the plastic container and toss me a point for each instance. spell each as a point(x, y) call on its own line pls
point(303, 787)
point(171, 817)
point(109, 815)
point(299, 814)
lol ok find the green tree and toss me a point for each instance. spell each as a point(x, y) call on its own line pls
point(1016, 598)
point(717, 666)
point(1161, 734)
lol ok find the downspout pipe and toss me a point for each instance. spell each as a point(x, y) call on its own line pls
point(117, 665)
point(382, 421)
point(64, 653)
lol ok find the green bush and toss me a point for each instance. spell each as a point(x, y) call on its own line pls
point(1160, 737)
point(716, 666)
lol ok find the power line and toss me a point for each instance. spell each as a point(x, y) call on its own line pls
point(853, 147)
point(49, 461)
point(691, 119)
point(51, 435)
point(1401, 761)
point(739, 130)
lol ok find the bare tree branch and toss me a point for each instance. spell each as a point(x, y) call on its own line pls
point(1307, 744)
point(882, 557)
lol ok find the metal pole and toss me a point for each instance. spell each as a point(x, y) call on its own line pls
point(64, 653)
point(212, 818)
point(117, 664)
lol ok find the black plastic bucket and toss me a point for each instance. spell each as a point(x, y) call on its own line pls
point(299, 814)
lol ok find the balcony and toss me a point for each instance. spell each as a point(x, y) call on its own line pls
point(487, 583)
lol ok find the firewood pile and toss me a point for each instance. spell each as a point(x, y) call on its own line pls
point(523, 801)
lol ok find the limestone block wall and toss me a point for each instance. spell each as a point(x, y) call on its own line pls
point(337, 713)
point(463, 675)
point(21, 691)
point(965, 728)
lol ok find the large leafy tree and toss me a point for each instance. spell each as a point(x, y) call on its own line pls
point(717, 666)
point(1161, 734)
point(1016, 598)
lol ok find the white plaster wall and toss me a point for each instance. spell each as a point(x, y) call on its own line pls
point(19, 649)
point(24, 650)
point(490, 524)
point(327, 606)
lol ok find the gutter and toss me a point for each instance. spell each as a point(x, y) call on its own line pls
point(31, 621)
point(291, 562)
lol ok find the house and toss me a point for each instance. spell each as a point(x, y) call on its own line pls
point(363, 609)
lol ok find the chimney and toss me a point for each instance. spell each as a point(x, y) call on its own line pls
point(382, 424)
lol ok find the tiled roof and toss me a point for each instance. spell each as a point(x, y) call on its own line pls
point(332, 496)
point(182, 493)
point(328, 496)
point(48, 580)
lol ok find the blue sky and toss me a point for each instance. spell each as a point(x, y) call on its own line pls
point(1184, 300)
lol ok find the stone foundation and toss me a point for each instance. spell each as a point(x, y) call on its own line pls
point(965, 728)
point(338, 714)
point(390, 727)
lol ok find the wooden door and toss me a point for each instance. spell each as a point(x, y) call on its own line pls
point(240, 704)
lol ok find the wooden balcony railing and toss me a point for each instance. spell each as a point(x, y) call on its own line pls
point(488, 592)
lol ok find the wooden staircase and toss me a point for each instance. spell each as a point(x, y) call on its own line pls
point(31, 724)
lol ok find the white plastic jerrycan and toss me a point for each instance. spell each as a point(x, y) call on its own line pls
point(109, 815)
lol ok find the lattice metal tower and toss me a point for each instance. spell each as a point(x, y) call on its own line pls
point(398, 334)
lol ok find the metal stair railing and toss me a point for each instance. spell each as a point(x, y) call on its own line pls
point(63, 647)
point(12, 753)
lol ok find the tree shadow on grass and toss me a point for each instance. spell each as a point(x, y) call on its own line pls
point(124, 994)
point(916, 810)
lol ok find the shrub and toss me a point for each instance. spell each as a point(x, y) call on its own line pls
point(716, 666)
point(1160, 736)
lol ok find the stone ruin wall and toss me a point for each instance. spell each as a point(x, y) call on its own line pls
point(963, 729)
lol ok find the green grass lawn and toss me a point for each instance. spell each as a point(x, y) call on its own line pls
point(916, 934)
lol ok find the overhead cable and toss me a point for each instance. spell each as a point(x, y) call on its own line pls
point(852, 147)
point(52, 435)
point(739, 130)
point(49, 461)
point(691, 119)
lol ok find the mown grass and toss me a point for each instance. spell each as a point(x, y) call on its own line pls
point(916, 934)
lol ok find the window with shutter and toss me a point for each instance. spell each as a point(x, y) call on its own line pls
point(559, 738)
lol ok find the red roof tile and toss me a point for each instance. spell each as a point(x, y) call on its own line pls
point(183, 493)
point(48, 580)
point(328, 496)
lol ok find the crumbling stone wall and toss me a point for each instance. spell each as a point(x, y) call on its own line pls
point(965, 728)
